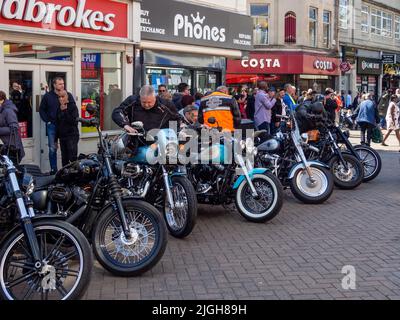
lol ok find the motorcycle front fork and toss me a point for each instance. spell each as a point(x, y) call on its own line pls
point(245, 170)
point(168, 191)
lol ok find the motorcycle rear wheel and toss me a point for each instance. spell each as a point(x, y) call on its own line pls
point(371, 161)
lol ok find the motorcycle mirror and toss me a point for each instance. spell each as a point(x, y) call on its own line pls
point(212, 120)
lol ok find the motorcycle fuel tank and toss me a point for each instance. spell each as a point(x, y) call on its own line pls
point(270, 145)
point(80, 171)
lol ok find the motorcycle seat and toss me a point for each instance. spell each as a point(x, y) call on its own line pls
point(43, 181)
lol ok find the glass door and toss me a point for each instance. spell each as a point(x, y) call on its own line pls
point(27, 83)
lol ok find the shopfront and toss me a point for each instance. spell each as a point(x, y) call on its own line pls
point(391, 71)
point(303, 70)
point(89, 43)
point(188, 43)
point(369, 71)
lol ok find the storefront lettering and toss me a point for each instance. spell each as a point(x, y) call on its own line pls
point(261, 63)
point(323, 65)
point(48, 13)
point(370, 65)
point(196, 29)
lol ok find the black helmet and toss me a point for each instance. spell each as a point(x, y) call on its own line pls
point(317, 108)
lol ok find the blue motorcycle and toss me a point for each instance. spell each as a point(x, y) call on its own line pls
point(148, 167)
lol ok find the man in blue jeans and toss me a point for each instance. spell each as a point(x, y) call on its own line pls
point(48, 113)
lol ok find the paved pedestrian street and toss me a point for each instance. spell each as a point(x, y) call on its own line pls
point(298, 255)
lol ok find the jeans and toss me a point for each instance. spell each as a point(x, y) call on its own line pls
point(69, 150)
point(51, 134)
point(383, 123)
point(265, 126)
point(366, 127)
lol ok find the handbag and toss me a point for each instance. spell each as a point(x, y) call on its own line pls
point(377, 136)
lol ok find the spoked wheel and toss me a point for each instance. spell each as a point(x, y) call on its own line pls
point(65, 268)
point(371, 161)
point(134, 255)
point(312, 192)
point(349, 178)
point(268, 203)
point(182, 219)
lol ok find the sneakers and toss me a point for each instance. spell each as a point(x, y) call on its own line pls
point(203, 187)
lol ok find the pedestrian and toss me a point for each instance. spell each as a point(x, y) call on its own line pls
point(383, 106)
point(278, 111)
point(367, 118)
point(191, 114)
point(162, 89)
point(242, 102)
point(48, 113)
point(12, 143)
point(166, 96)
point(22, 101)
point(265, 101)
point(303, 97)
point(183, 90)
point(251, 100)
point(67, 131)
point(349, 100)
point(288, 99)
point(392, 119)
point(356, 101)
point(330, 104)
point(197, 99)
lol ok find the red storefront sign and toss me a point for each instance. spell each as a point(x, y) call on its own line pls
point(280, 63)
point(97, 17)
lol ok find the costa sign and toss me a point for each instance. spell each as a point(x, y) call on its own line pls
point(104, 17)
point(324, 65)
point(261, 63)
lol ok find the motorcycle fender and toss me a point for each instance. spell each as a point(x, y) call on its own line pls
point(301, 166)
point(251, 174)
point(34, 219)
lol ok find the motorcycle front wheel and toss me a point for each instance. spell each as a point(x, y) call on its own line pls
point(350, 178)
point(127, 257)
point(182, 219)
point(312, 192)
point(371, 161)
point(268, 203)
point(66, 263)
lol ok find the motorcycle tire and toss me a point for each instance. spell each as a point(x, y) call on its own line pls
point(244, 198)
point(180, 225)
point(121, 256)
point(350, 180)
point(65, 254)
point(367, 154)
point(309, 194)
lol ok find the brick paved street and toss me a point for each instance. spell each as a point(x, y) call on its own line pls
point(298, 255)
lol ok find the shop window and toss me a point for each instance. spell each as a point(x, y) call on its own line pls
point(313, 17)
point(260, 15)
point(101, 84)
point(365, 19)
point(343, 13)
point(327, 29)
point(32, 51)
point(170, 77)
point(290, 27)
point(397, 27)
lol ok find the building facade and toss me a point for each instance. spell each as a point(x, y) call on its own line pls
point(294, 42)
point(369, 38)
point(189, 41)
point(89, 43)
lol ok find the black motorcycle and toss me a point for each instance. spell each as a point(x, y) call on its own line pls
point(369, 158)
point(347, 169)
point(310, 181)
point(128, 235)
point(41, 257)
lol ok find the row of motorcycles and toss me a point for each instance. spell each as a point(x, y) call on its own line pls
point(120, 202)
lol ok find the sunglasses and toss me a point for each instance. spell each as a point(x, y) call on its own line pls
point(162, 91)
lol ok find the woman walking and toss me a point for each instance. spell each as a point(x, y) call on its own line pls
point(392, 119)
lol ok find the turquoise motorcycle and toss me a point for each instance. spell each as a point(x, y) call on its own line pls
point(257, 192)
point(148, 167)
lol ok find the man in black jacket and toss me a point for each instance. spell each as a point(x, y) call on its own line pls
point(330, 104)
point(153, 111)
point(67, 128)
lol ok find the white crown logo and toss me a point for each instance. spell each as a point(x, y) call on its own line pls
point(198, 19)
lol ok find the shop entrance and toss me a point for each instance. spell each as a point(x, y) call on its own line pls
point(27, 84)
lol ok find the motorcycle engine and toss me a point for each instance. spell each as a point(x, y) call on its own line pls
point(131, 170)
point(60, 194)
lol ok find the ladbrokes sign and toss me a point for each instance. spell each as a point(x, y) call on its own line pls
point(179, 22)
point(99, 17)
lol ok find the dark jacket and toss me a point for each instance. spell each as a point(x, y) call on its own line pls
point(157, 117)
point(49, 106)
point(66, 123)
point(330, 107)
point(276, 110)
point(22, 102)
point(8, 124)
point(251, 109)
point(177, 100)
